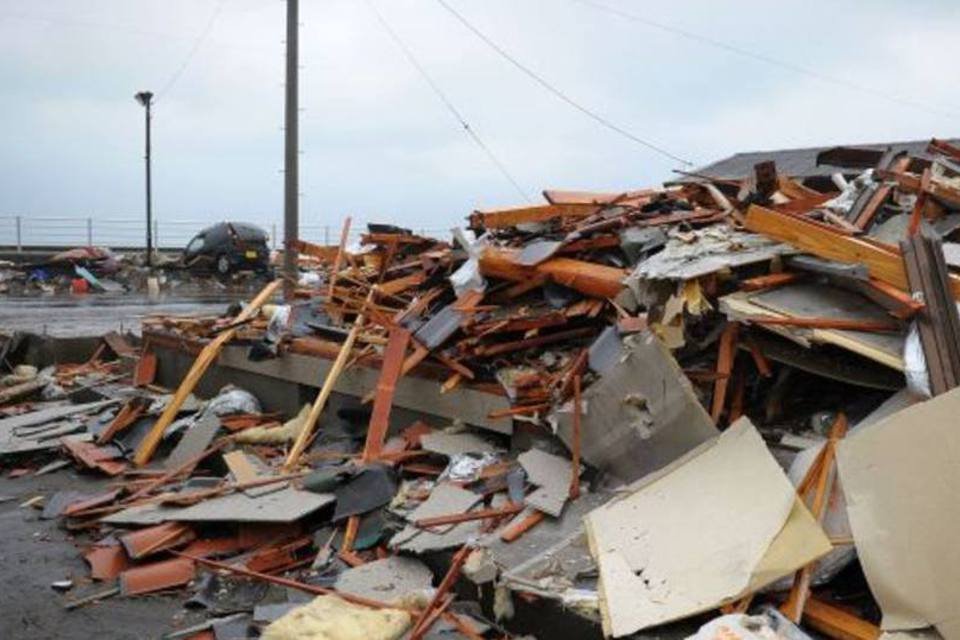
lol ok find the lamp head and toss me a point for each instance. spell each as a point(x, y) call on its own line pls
point(144, 97)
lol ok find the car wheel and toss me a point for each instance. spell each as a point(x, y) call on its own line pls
point(223, 264)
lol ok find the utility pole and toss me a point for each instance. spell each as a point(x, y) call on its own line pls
point(145, 98)
point(291, 186)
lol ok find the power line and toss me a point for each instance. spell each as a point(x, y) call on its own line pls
point(560, 94)
point(760, 57)
point(193, 50)
point(408, 54)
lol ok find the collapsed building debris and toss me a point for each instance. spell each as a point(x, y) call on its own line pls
point(723, 397)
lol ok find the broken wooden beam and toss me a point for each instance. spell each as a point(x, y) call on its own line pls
point(882, 262)
point(520, 527)
point(843, 324)
point(770, 281)
point(427, 617)
point(390, 372)
point(725, 356)
point(837, 623)
point(480, 514)
point(511, 217)
point(589, 278)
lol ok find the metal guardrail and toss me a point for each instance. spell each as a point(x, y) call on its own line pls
point(23, 231)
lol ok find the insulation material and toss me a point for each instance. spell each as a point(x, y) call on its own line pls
point(287, 432)
point(901, 480)
point(710, 527)
point(332, 618)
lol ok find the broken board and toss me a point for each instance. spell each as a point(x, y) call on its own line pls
point(711, 527)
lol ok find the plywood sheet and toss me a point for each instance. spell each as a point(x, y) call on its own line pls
point(887, 350)
point(902, 478)
point(697, 534)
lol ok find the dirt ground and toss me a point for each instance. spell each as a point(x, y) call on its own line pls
point(36, 553)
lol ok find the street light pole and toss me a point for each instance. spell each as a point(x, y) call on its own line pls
point(145, 98)
point(291, 177)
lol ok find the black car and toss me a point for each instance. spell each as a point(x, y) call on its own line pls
point(228, 247)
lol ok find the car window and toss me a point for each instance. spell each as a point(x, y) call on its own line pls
point(195, 245)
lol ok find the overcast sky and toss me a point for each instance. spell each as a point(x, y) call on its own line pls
point(376, 143)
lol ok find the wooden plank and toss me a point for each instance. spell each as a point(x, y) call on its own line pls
point(517, 529)
point(934, 355)
point(146, 370)
point(393, 359)
point(770, 281)
point(479, 514)
point(837, 623)
point(884, 264)
point(560, 196)
point(200, 366)
point(320, 252)
point(822, 483)
point(399, 285)
point(240, 466)
point(945, 148)
point(426, 618)
point(321, 400)
point(951, 316)
point(725, 357)
point(335, 269)
point(499, 218)
point(843, 324)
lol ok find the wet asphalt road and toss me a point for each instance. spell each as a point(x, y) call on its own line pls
point(94, 315)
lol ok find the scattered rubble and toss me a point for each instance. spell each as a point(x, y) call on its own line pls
point(98, 270)
point(722, 408)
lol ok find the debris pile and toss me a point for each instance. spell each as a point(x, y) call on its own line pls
point(98, 270)
point(718, 408)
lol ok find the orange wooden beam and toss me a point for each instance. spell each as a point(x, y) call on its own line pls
point(393, 358)
point(725, 355)
point(843, 324)
point(589, 278)
point(517, 529)
point(882, 262)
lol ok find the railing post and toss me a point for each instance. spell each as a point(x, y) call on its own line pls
point(273, 235)
point(156, 235)
point(19, 237)
point(89, 232)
